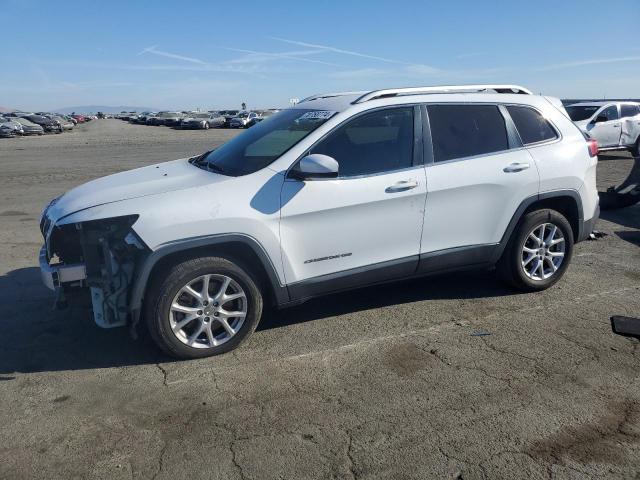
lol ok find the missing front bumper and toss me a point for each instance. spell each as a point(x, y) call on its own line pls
point(53, 276)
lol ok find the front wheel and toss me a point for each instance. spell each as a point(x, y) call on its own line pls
point(538, 252)
point(202, 307)
point(206, 125)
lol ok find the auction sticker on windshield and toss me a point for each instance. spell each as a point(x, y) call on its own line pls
point(318, 115)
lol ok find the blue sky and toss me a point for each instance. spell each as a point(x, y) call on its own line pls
point(206, 54)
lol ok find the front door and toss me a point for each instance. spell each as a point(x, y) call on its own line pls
point(365, 225)
point(608, 132)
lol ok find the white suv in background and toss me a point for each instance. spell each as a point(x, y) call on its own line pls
point(339, 192)
point(615, 125)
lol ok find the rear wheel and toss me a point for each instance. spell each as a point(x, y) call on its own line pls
point(539, 251)
point(202, 307)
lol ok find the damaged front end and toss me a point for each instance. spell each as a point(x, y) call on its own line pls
point(99, 255)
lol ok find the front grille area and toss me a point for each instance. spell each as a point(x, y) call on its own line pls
point(65, 243)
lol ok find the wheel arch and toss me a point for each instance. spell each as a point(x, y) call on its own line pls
point(567, 202)
point(242, 249)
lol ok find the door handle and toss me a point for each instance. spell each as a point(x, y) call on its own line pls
point(515, 167)
point(402, 186)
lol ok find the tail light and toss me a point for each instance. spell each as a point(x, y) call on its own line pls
point(593, 147)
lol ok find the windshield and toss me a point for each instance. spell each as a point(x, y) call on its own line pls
point(583, 112)
point(265, 142)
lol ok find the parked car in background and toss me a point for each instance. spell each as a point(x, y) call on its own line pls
point(615, 125)
point(140, 118)
point(28, 127)
point(204, 120)
point(243, 120)
point(262, 115)
point(6, 131)
point(228, 115)
point(9, 123)
point(48, 124)
point(79, 118)
point(126, 116)
point(165, 118)
point(64, 122)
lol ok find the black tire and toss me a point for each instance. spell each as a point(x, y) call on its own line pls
point(636, 149)
point(162, 291)
point(510, 267)
point(206, 125)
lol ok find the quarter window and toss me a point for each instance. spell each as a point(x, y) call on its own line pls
point(376, 142)
point(629, 110)
point(531, 126)
point(459, 131)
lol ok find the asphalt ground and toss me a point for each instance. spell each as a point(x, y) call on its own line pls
point(444, 377)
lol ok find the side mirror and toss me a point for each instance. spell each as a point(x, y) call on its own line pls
point(313, 166)
point(600, 119)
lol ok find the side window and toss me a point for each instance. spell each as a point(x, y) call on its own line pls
point(459, 131)
point(629, 110)
point(531, 126)
point(610, 113)
point(376, 142)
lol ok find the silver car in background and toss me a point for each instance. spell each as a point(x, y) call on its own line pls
point(64, 122)
point(10, 127)
point(28, 127)
point(243, 120)
point(203, 120)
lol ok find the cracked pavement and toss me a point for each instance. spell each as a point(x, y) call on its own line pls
point(384, 382)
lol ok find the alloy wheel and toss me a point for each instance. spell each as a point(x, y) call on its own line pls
point(208, 311)
point(543, 252)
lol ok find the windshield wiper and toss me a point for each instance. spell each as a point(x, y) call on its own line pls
point(215, 168)
point(197, 160)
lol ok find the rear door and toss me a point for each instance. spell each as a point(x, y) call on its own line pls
point(477, 176)
point(365, 225)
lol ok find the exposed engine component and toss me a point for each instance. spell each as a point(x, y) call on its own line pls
point(109, 251)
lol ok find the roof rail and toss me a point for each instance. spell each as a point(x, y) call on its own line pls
point(329, 95)
point(394, 92)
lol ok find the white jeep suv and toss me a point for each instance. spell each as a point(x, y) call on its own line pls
point(339, 192)
point(615, 125)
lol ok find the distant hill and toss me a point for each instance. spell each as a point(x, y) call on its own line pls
point(6, 110)
point(104, 109)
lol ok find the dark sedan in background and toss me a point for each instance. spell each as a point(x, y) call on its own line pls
point(48, 124)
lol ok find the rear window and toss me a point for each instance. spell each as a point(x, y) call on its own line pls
point(582, 112)
point(459, 131)
point(531, 126)
point(629, 110)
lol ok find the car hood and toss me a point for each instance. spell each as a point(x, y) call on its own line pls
point(141, 182)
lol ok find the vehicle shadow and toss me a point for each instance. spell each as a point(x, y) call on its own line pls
point(626, 217)
point(455, 286)
point(37, 338)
